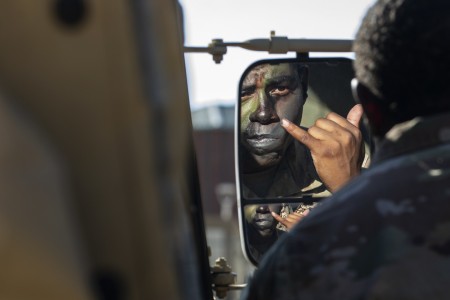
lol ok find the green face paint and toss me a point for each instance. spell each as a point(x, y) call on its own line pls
point(268, 94)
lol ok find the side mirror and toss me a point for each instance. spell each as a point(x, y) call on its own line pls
point(275, 172)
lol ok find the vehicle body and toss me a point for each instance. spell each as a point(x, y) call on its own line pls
point(98, 88)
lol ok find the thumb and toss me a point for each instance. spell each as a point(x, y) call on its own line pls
point(355, 114)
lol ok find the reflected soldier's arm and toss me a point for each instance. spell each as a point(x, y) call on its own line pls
point(335, 144)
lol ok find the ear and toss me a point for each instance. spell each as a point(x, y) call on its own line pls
point(303, 71)
point(376, 110)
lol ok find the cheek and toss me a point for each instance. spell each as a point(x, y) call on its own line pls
point(289, 107)
point(249, 212)
point(247, 108)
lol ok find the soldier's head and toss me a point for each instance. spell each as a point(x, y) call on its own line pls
point(269, 93)
point(260, 219)
point(402, 61)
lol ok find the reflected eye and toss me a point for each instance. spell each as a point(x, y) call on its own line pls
point(279, 91)
point(246, 93)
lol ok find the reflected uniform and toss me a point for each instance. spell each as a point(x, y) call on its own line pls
point(384, 236)
point(294, 176)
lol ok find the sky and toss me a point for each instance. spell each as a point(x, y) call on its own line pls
point(240, 20)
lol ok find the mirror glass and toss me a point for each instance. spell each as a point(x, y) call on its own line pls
point(276, 172)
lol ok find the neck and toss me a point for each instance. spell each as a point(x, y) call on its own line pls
point(261, 181)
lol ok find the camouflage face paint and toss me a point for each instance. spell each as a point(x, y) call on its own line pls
point(268, 94)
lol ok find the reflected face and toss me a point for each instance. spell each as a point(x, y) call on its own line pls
point(260, 218)
point(269, 93)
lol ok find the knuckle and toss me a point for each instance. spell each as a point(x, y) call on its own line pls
point(331, 115)
point(304, 138)
point(319, 122)
point(358, 135)
point(331, 150)
point(334, 145)
point(347, 138)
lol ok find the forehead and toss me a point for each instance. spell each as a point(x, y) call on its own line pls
point(267, 72)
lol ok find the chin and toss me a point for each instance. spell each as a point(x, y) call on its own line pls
point(268, 160)
point(265, 232)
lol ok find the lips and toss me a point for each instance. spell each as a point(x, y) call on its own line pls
point(264, 220)
point(261, 140)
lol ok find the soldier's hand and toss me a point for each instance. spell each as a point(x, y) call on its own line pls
point(335, 144)
point(291, 219)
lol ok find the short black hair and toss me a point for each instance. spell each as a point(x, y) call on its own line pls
point(402, 54)
point(303, 75)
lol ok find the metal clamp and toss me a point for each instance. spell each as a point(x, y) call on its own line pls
point(276, 44)
point(223, 279)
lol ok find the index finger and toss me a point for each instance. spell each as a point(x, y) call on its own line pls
point(286, 222)
point(299, 134)
point(277, 217)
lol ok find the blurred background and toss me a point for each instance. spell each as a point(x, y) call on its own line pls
point(213, 90)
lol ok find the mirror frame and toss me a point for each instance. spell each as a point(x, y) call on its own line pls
point(243, 201)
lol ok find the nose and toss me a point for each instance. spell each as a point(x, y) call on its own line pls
point(263, 209)
point(265, 112)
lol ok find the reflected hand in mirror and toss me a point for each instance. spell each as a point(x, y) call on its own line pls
point(291, 219)
point(267, 222)
point(335, 144)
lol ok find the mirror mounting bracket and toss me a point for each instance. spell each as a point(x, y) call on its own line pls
point(274, 45)
point(302, 56)
point(223, 279)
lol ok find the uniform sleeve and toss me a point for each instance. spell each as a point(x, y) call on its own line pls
point(261, 285)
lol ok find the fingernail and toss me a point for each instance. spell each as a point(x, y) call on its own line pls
point(284, 123)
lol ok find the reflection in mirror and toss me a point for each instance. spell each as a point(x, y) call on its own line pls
point(272, 164)
point(262, 230)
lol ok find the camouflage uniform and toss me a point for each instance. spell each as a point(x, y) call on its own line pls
point(384, 236)
point(295, 176)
